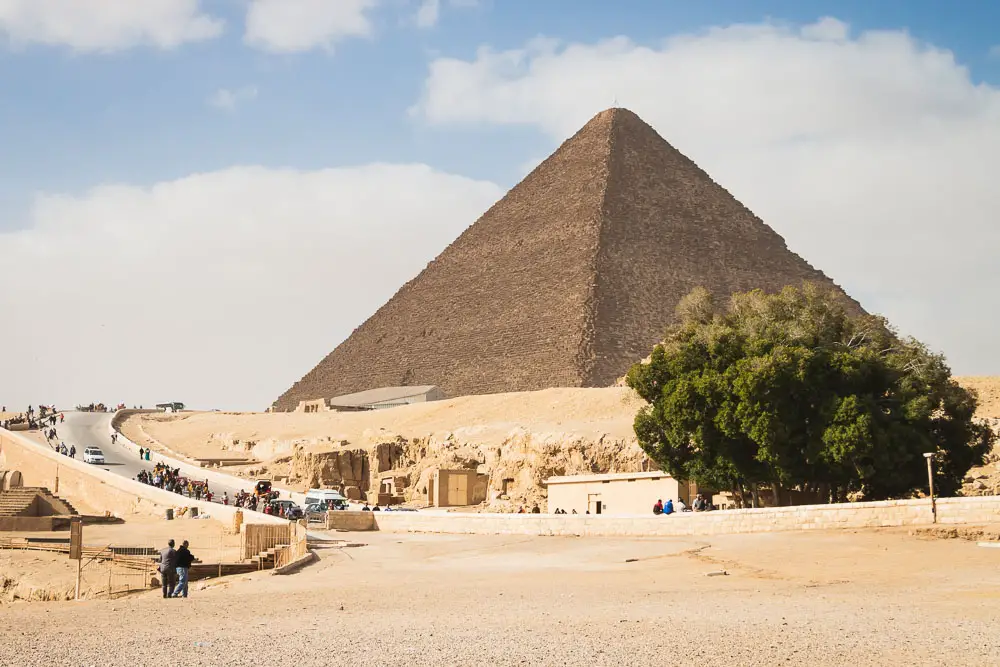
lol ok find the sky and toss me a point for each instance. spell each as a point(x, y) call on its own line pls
point(199, 199)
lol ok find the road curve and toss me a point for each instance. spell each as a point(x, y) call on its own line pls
point(93, 429)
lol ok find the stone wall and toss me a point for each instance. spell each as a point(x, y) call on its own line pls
point(351, 520)
point(893, 513)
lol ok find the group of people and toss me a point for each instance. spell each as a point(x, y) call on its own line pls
point(61, 448)
point(700, 504)
point(174, 567)
point(366, 508)
point(170, 479)
point(34, 419)
point(251, 501)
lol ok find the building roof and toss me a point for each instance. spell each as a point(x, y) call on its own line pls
point(380, 395)
point(569, 279)
point(609, 477)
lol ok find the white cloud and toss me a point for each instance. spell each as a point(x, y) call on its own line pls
point(105, 25)
point(288, 26)
point(223, 286)
point(428, 14)
point(227, 99)
point(873, 154)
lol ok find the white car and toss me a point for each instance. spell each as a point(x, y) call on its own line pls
point(93, 455)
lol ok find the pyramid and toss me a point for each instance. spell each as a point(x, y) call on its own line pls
point(566, 281)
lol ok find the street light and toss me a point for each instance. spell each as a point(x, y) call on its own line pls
point(930, 482)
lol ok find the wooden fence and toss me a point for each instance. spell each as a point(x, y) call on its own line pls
point(261, 539)
point(297, 547)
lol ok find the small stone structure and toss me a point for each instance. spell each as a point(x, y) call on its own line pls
point(33, 509)
point(457, 488)
point(620, 493)
point(373, 399)
point(11, 479)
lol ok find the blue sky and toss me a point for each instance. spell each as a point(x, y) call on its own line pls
point(70, 120)
point(882, 118)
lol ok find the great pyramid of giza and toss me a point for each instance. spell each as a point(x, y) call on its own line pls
point(566, 281)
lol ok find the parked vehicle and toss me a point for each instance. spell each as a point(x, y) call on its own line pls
point(93, 455)
point(320, 509)
point(328, 498)
point(292, 511)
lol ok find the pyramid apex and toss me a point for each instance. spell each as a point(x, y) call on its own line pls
point(615, 116)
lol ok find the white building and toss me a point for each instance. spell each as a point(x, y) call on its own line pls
point(614, 493)
point(373, 399)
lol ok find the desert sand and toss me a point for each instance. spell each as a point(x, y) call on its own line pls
point(988, 389)
point(866, 598)
point(488, 419)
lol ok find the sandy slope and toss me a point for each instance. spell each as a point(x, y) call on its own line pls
point(988, 388)
point(485, 419)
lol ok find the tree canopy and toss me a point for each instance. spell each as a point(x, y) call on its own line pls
point(790, 391)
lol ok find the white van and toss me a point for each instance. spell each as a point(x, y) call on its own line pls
point(325, 497)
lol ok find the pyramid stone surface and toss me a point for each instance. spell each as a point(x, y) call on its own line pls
point(566, 281)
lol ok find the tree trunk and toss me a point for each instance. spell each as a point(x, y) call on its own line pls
point(776, 494)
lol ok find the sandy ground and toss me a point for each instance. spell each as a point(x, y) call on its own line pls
point(988, 388)
point(42, 574)
point(866, 598)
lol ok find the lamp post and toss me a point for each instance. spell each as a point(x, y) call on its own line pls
point(930, 483)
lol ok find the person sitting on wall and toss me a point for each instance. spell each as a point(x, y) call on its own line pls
point(669, 507)
point(575, 512)
point(366, 508)
point(376, 509)
point(658, 506)
point(536, 509)
point(682, 506)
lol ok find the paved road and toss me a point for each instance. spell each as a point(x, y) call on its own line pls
point(91, 429)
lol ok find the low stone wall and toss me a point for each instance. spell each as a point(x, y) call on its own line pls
point(983, 509)
point(98, 489)
point(350, 520)
point(26, 524)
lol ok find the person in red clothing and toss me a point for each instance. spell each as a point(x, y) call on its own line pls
point(658, 507)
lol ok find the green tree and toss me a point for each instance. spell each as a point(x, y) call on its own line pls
point(790, 391)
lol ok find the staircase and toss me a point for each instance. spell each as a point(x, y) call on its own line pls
point(42, 491)
point(17, 502)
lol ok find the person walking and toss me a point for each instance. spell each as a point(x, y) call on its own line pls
point(184, 560)
point(72, 451)
point(168, 568)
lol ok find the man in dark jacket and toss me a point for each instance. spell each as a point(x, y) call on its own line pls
point(184, 560)
point(168, 568)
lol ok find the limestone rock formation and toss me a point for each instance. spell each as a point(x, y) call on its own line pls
point(567, 280)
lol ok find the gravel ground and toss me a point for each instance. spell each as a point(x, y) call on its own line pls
point(867, 598)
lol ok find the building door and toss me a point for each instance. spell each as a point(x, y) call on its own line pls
point(594, 503)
